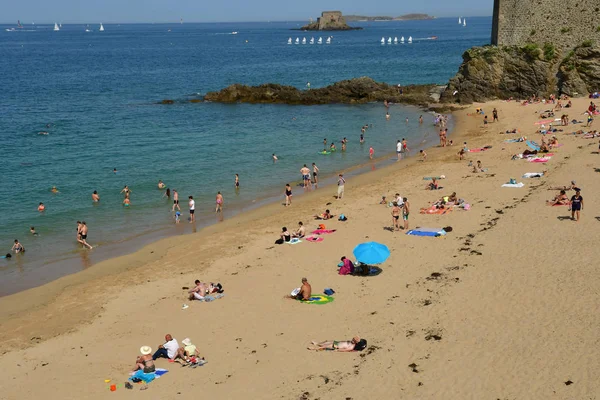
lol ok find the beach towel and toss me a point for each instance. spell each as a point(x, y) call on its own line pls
point(533, 174)
point(160, 372)
point(512, 140)
point(314, 239)
point(539, 160)
point(139, 374)
point(429, 178)
point(545, 121)
point(477, 150)
point(514, 185)
point(209, 298)
point(318, 299)
point(438, 211)
point(558, 205)
point(533, 145)
point(294, 241)
point(373, 271)
point(419, 232)
point(323, 231)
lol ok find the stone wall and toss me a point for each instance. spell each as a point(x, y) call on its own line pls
point(565, 23)
point(330, 19)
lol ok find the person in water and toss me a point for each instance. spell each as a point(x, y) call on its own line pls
point(83, 231)
point(126, 202)
point(167, 193)
point(41, 207)
point(315, 173)
point(32, 231)
point(161, 185)
point(95, 196)
point(18, 247)
point(54, 189)
point(237, 181)
point(127, 191)
point(219, 201)
point(274, 157)
point(114, 170)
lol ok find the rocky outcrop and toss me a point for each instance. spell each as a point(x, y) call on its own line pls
point(353, 91)
point(491, 72)
point(329, 21)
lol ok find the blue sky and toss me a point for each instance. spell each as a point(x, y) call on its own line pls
point(82, 11)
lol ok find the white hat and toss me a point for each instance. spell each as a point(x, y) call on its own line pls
point(145, 350)
point(186, 342)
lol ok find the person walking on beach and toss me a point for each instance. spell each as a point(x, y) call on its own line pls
point(315, 173)
point(576, 205)
point(340, 183)
point(95, 196)
point(237, 180)
point(219, 201)
point(175, 200)
point(83, 232)
point(305, 172)
point(288, 195)
point(192, 205)
point(405, 146)
point(495, 115)
point(399, 149)
point(396, 217)
point(423, 154)
point(371, 152)
point(405, 212)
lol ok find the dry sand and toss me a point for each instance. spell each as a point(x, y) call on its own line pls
point(514, 307)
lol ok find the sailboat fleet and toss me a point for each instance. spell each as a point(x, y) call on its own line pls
point(311, 41)
point(395, 40)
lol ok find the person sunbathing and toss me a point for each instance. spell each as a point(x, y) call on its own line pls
point(560, 199)
point(325, 215)
point(570, 187)
point(145, 361)
point(433, 185)
point(553, 141)
point(452, 198)
point(199, 291)
point(355, 344)
point(301, 232)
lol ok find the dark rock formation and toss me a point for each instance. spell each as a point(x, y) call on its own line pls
point(502, 72)
point(329, 21)
point(353, 91)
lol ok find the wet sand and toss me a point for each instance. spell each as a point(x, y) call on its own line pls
point(501, 307)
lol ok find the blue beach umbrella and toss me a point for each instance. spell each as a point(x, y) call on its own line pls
point(371, 253)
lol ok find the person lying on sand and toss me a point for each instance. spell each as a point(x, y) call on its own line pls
point(433, 185)
point(570, 187)
point(145, 361)
point(301, 232)
point(325, 215)
point(355, 344)
point(303, 293)
point(560, 199)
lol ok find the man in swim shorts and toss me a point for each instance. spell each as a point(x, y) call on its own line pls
point(175, 200)
point(341, 182)
point(192, 205)
point(305, 291)
point(405, 212)
point(83, 231)
point(335, 345)
point(305, 172)
point(399, 150)
point(315, 173)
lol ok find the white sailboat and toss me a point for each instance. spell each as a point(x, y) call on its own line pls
point(60, 24)
point(410, 39)
point(290, 41)
point(390, 40)
point(87, 28)
point(303, 40)
point(56, 28)
point(402, 39)
point(101, 27)
point(328, 40)
point(465, 22)
point(320, 41)
point(395, 39)
point(459, 21)
point(382, 40)
point(312, 40)
point(297, 41)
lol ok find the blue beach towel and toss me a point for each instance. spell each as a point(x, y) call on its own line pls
point(533, 145)
point(139, 374)
point(426, 232)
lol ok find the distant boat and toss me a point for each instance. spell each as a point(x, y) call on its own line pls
point(459, 21)
point(382, 40)
point(56, 28)
point(395, 39)
point(297, 41)
point(234, 33)
point(328, 40)
point(87, 29)
point(312, 40)
point(181, 21)
point(390, 40)
point(320, 41)
point(410, 39)
point(303, 40)
point(465, 22)
point(60, 24)
point(432, 38)
point(101, 27)
point(19, 24)
point(290, 41)
point(402, 39)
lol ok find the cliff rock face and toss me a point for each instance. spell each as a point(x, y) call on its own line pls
point(502, 72)
point(353, 91)
point(329, 21)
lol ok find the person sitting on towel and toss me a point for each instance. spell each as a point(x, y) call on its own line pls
point(199, 291)
point(347, 268)
point(325, 215)
point(170, 349)
point(433, 185)
point(560, 199)
point(304, 293)
point(145, 361)
point(301, 232)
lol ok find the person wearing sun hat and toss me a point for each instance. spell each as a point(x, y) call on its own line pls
point(189, 349)
point(145, 361)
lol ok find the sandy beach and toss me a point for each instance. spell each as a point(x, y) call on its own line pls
point(502, 307)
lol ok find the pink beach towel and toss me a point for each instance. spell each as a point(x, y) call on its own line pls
point(314, 239)
point(477, 150)
point(544, 121)
point(539, 160)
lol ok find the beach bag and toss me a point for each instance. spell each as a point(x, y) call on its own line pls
point(361, 345)
point(342, 218)
point(512, 181)
point(328, 291)
point(279, 241)
point(322, 226)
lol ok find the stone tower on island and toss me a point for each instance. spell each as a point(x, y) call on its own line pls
point(564, 23)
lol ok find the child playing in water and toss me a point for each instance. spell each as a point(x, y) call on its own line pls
point(423, 155)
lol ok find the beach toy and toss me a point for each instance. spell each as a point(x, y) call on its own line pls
point(113, 388)
point(106, 380)
point(371, 253)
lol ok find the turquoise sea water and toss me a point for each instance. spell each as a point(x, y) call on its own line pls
point(98, 93)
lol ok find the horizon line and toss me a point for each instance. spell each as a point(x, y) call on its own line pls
point(217, 22)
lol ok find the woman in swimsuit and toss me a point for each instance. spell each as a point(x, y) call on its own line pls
point(576, 205)
point(237, 179)
point(395, 217)
point(288, 195)
point(145, 361)
point(335, 345)
point(219, 201)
